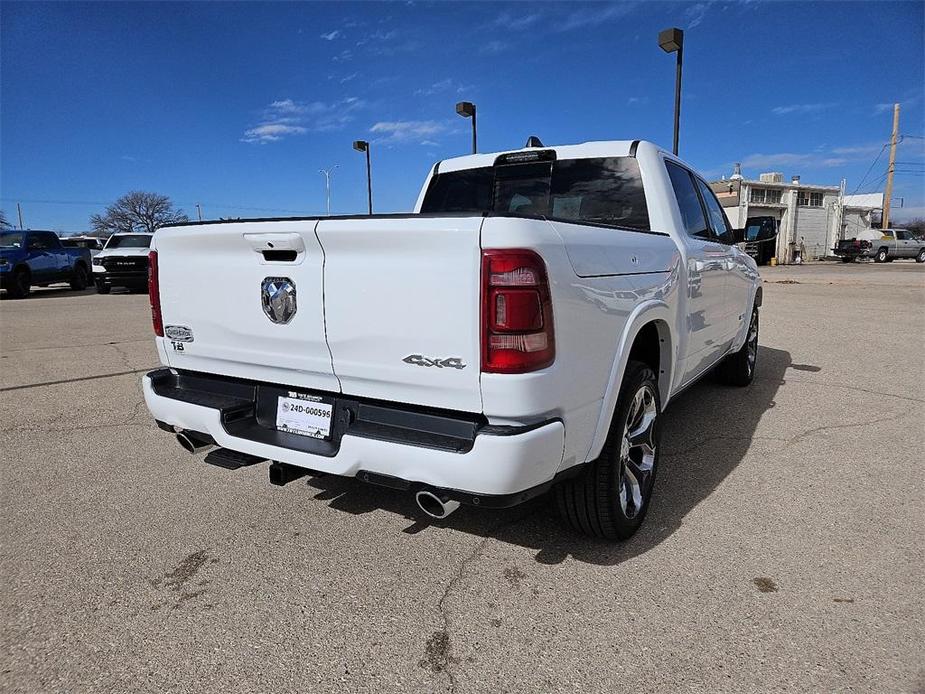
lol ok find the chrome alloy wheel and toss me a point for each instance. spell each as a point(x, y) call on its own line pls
point(637, 451)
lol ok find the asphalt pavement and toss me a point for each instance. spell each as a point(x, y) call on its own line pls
point(783, 551)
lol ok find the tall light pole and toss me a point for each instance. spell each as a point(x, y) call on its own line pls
point(363, 146)
point(466, 109)
point(328, 175)
point(672, 41)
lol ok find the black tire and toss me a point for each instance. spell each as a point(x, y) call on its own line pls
point(103, 288)
point(881, 256)
point(738, 369)
point(80, 280)
point(920, 258)
point(20, 284)
point(611, 496)
point(846, 259)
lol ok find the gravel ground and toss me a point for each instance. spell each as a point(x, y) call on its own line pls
point(783, 551)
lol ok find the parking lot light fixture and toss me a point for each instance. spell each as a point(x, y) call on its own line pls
point(363, 146)
point(466, 109)
point(672, 41)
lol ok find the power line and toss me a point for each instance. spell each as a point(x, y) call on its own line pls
point(870, 169)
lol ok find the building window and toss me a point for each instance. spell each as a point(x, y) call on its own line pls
point(762, 196)
point(807, 199)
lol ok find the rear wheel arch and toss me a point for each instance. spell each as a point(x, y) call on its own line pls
point(652, 346)
point(648, 339)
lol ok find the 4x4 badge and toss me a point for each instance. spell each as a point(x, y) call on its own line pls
point(448, 363)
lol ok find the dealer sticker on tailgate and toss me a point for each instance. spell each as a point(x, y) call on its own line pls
point(304, 414)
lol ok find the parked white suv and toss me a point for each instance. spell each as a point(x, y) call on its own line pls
point(523, 330)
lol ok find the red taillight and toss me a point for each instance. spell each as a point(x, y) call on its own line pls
point(517, 328)
point(154, 294)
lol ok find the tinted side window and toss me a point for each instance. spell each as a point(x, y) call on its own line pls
point(38, 241)
point(468, 190)
point(688, 201)
point(50, 240)
point(718, 221)
point(604, 191)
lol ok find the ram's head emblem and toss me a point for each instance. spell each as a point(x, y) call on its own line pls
point(277, 295)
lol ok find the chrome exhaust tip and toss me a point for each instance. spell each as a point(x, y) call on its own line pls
point(194, 442)
point(435, 506)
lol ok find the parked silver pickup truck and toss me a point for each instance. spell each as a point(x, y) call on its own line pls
point(883, 245)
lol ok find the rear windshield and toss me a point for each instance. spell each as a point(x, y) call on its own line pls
point(11, 239)
point(129, 241)
point(601, 191)
point(80, 243)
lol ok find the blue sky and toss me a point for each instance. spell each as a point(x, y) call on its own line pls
point(237, 106)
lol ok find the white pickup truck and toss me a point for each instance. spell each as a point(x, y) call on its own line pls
point(522, 331)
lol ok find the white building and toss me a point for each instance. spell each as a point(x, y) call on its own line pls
point(809, 216)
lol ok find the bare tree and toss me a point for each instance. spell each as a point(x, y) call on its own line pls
point(137, 211)
point(4, 224)
point(915, 225)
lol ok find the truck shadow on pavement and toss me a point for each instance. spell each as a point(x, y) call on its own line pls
point(52, 292)
point(706, 433)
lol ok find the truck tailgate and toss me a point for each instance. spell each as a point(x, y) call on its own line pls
point(211, 282)
point(401, 299)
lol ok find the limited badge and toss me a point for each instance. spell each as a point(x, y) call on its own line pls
point(178, 333)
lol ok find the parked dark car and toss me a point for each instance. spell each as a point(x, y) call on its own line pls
point(36, 258)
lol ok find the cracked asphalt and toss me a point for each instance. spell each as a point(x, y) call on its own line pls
point(783, 551)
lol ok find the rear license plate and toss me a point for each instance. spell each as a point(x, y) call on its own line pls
point(304, 414)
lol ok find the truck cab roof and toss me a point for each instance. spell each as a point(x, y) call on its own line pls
point(584, 150)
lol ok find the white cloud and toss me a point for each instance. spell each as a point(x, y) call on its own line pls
point(882, 108)
point(515, 22)
point(286, 106)
point(443, 86)
point(637, 100)
point(595, 14)
point(408, 131)
point(695, 14)
point(861, 149)
point(800, 108)
point(330, 36)
point(493, 47)
point(435, 88)
point(271, 132)
point(343, 56)
point(348, 78)
point(286, 117)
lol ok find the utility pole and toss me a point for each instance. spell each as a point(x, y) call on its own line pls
point(328, 175)
point(199, 211)
point(19, 210)
point(889, 171)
